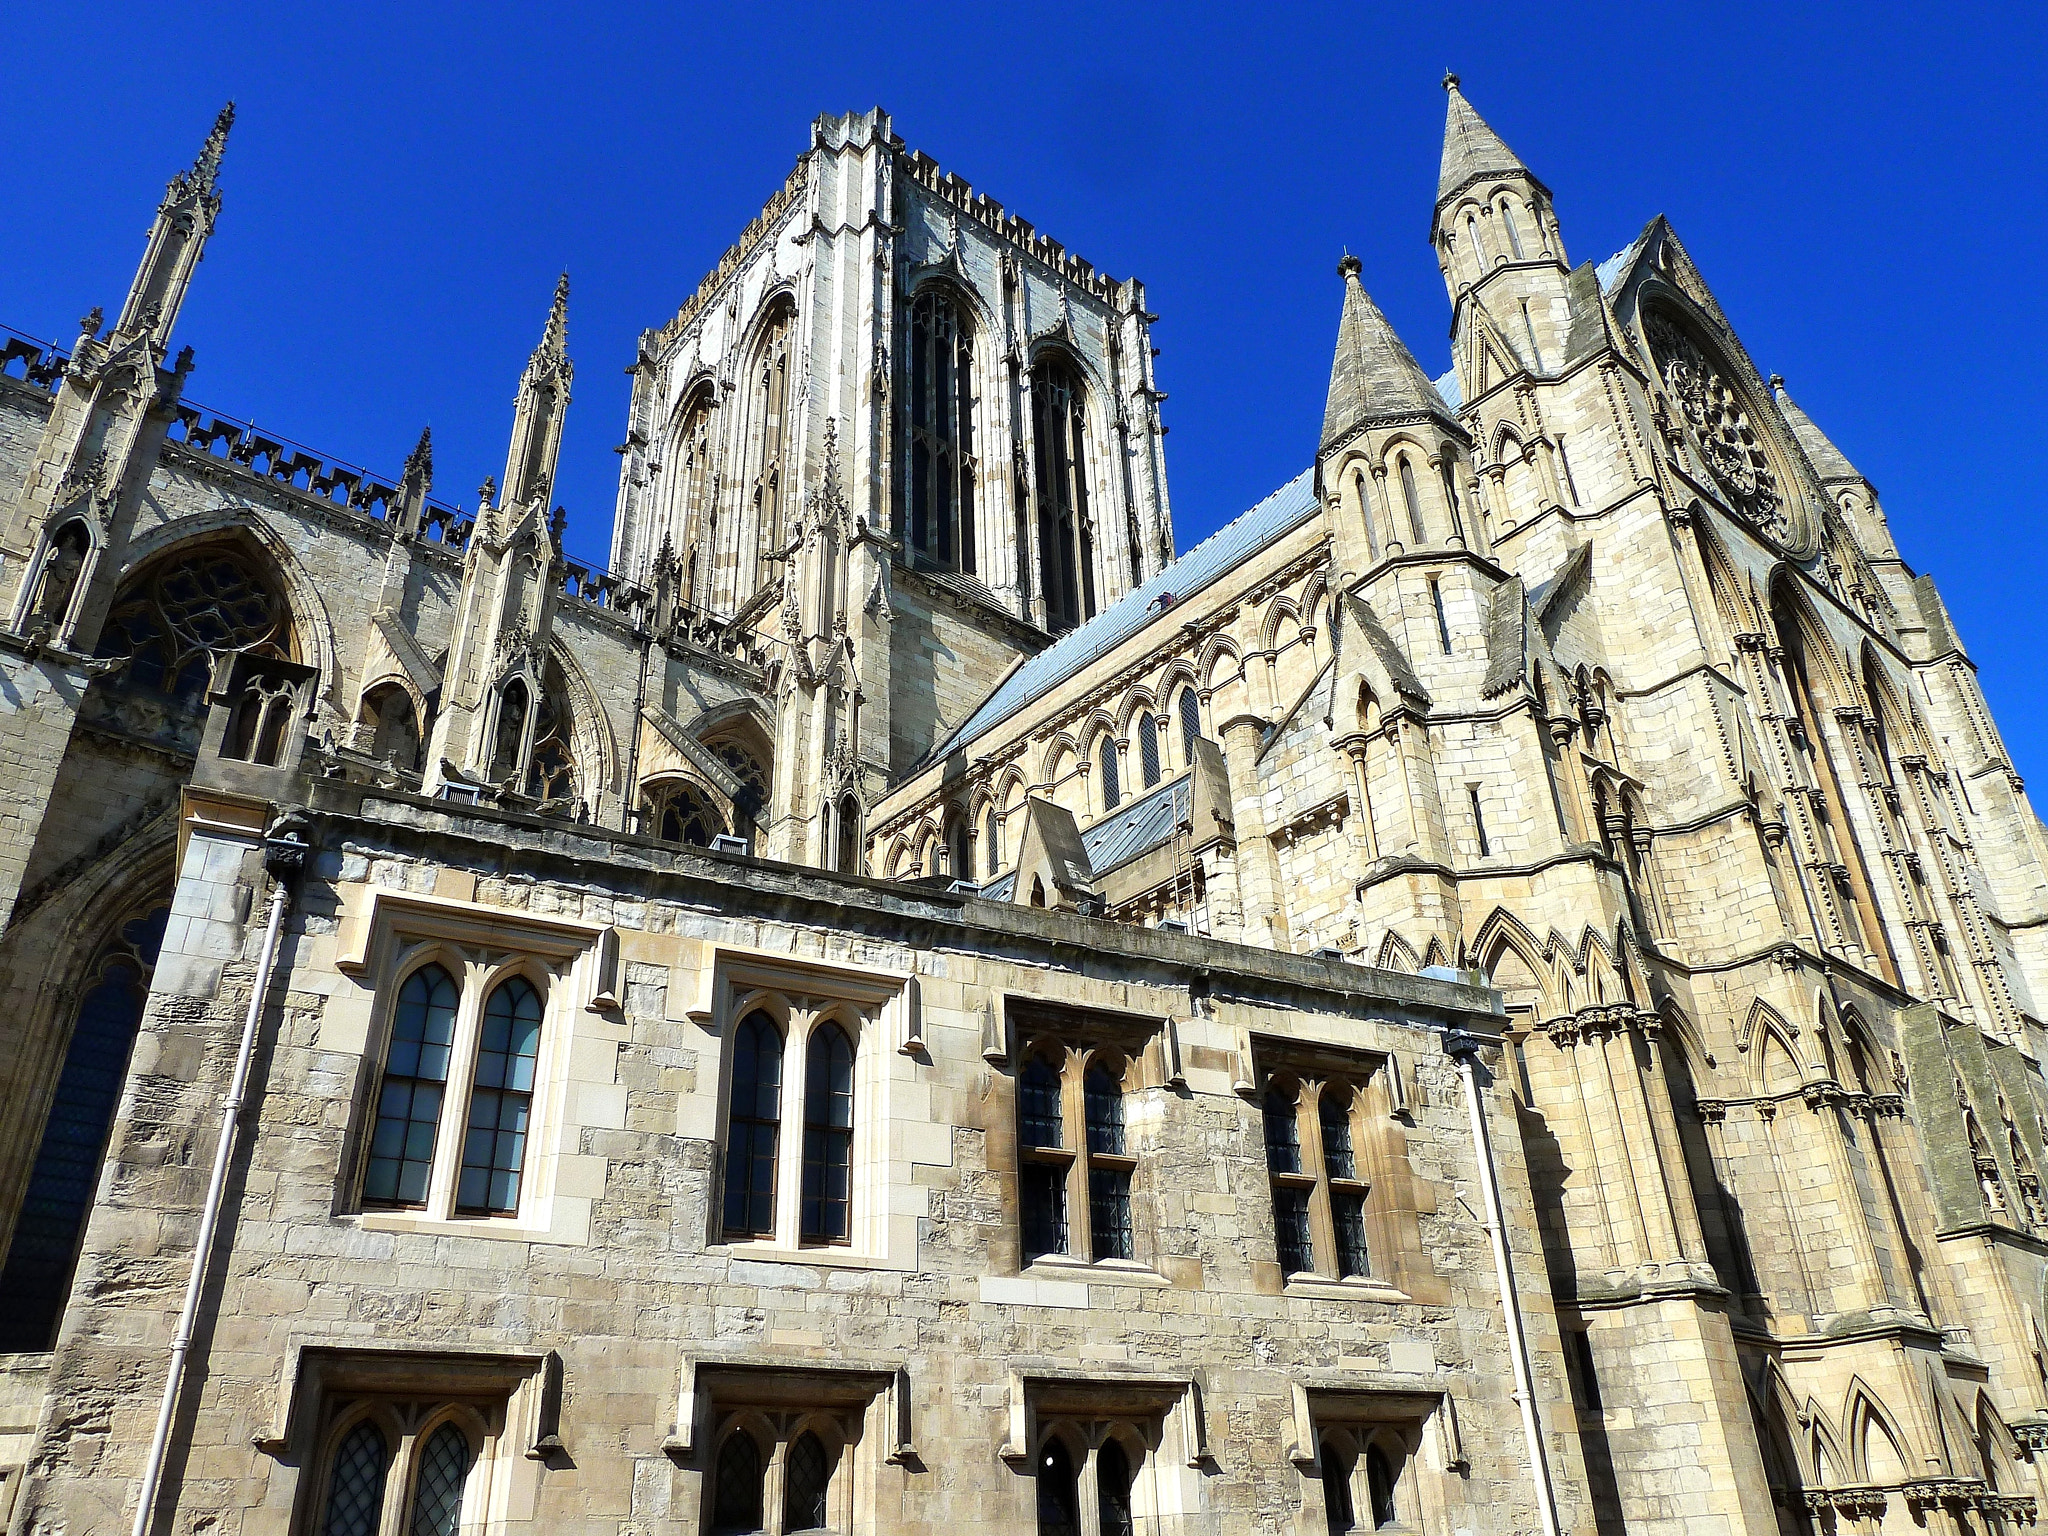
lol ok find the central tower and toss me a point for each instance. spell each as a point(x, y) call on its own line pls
point(898, 430)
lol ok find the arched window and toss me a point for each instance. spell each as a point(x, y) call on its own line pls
point(1113, 1488)
point(170, 620)
point(1412, 499)
point(551, 774)
point(1340, 1465)
point(37, 1278)
point(437, 1496)
point(1507, 222)
point(807, 1479)
point(736, 1504)
point(388, 710)
point(1478, 250)
point(1190, 724)
point(1066, 551)
point(1369, 517)
point(690, 480)
point(1037, 891)
point(991, 845)
point(355, 1485)
point(1112, 781)
point(414, 1088)
point(848, 860)
point(501, 1101)
point(1059, 1495)
point(752, 1126)
point(748, 767)
point(828, 1137)
point(676, 813)
point(59, 581)
point(1148, 747)
point(959, 864)
point(1381, 1481)
point(759, 531)
point(939, 396)
point(508, 753)
point(1109, 1170)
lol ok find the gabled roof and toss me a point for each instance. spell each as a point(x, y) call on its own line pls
point(1216, 556)
point(1373, 375)
point(1137, 827)
point(1471, 149)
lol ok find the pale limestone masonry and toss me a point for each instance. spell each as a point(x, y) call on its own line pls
point(911, 1006)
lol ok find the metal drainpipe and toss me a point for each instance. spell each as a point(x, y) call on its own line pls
point(282, 857)
point(1464, 1049)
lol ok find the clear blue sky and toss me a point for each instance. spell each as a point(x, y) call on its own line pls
point(1863, 188)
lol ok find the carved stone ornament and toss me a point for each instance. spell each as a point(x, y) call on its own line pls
point(1720, 429)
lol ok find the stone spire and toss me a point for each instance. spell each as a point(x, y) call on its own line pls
point(1373, 375)
point(1828, 460)
point(1471, 149)
point(537, 413)
point(176, 242)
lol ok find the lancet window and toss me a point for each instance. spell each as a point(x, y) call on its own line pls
point(938, 488)
point(1066, 549)
point(760, 530)
point(691, 482)
point(43, 1250)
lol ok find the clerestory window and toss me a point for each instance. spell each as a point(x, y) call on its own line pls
point(1066, 548)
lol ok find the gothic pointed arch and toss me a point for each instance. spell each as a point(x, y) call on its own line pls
point(1878, 1448)
point(1396, 954)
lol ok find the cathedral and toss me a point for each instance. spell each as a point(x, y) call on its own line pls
point(1493, 996)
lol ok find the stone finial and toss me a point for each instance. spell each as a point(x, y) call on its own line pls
point(556, 337)
point(1349, 267)
point(207, 166)
point(89, 325)
point(419, 464)
point(1450, 81)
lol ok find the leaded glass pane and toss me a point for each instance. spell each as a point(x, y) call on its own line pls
point(1109, 1212)
point(1283, 1133)
point(355, 1488)
point(1338, 1464)
point(1059, 1497)
point(1104, 1097)
point(752, 1126)
point(1038, 1104)
point(1290, 1221)
point(1113, 1488)
point(1347, 1207)
point(1190, 723)
point(501, 1101)
point(1044, 1190)
point(1333, 1109)
point(1112, 780)
point(437, 1495)
point(736, 1502)
point(828, 1137)
point(808, 1475)
point(415, 1083)
point(1148, 748)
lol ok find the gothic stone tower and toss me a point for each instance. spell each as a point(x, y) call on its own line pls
point(901, 439)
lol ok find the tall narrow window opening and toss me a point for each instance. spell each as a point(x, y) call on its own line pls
point(1564, 465)
point(1059, 1494)
point(828, 1137)
point(940, 483)
point(1066, 551)
point(1112, 781)
point(753, 1125)
point(1507, 222)
point(1340, 1465)
point(1443, 622)
point(355, 1486)
point(1190, 723)
point(737, 1501)
point(1291, 1188)
point(1478, 820)
point(437, 1497)
point(1529, 330)
point(1412, 498)
point(1148, 746)
point(807, 1479)
point(415, 1084)
point(1109, 1169)
point(1113, 1488)
point(501, 1101)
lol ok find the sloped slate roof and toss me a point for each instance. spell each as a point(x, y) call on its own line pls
point(1138, 827)
point(1216, 556)
point(1825, 456)
point(1471, 149)
point(1372, 373)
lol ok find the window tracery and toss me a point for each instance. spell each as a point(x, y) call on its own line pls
point(678, 812)
point(1066, 550)
point(938, 489)
point(174, 618)
point(1717, 421)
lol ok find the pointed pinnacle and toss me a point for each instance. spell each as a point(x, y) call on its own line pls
point(420, 462)
point(556, 337)
point(1471, 148)
point(208, 164)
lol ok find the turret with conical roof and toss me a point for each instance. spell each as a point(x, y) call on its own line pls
point(1391, 447)
point(1491, 210)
